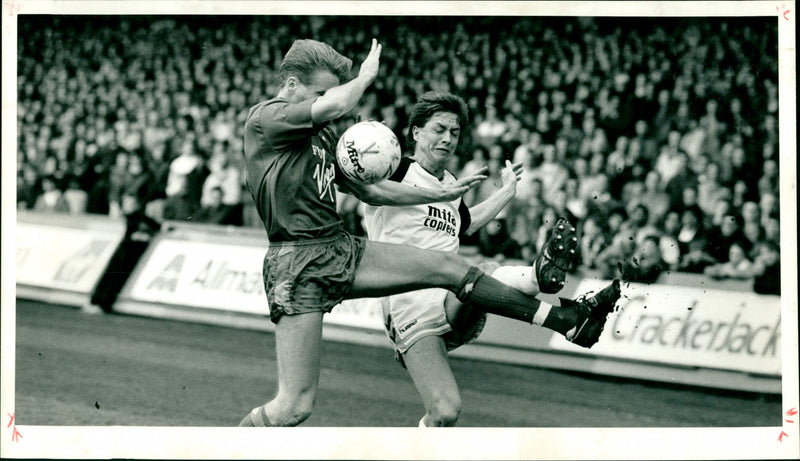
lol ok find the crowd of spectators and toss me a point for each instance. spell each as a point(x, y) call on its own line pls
point(657, 137)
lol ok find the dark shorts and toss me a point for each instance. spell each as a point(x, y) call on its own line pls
point(310, 275)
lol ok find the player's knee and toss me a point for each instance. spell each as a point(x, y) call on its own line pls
point(450, 269)
point(445, 410)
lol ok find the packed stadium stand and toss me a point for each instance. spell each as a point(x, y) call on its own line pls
point(657, 137)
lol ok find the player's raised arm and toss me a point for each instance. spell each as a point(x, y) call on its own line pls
point(341, 99)
point(487, 210)
point(393, 193)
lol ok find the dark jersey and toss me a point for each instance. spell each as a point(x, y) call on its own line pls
point(291, 167)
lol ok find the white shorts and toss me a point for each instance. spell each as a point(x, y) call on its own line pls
point(409, 317)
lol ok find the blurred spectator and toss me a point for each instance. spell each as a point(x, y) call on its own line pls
point(223, 175)
point(695, 258)
point(728, 233)
point(736, 266)
point(646, 263)
point(654, 197)
point(669, 229)
point(490, 128)
point(478, 161)
point(28, 187)
point(592, 241)
point(116, 183)
point(215, 211)
point(75, 197)
point(186, 175)
point(179, 206)
point(671, 160)
point(551, 173)
point(767, 269)
point(494, 241)
point(709, 189)
point(52, 199)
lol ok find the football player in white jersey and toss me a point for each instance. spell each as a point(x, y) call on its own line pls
point(425, 324)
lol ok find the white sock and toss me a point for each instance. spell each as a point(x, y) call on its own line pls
point(520, 277)
point(422, 422)
point(541, 313)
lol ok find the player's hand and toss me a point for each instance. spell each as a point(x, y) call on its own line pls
point(369, 68)
point(511, 174)
point(463, 185)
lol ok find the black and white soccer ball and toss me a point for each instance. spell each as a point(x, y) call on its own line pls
point(368, 152)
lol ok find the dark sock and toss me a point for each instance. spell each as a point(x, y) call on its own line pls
point(495, 297)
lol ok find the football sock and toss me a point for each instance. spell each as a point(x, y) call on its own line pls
point(495, 297)
point(256, 418)
point(520, 277)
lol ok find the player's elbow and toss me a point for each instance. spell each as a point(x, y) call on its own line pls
point(326, 109)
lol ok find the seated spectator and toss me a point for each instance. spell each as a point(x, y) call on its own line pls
point(695, 258)
point(691, 229)
point(621, 248)
point(772, 229)
point(708, 188)
point(489, 130)
point(478, 161)
point(767, 269)
point(225, 176)
point(28, 187)
point(592, 242)
point(52, 199)
point(668, 239)
point(770, 176)
point(215, 212)
point(544, 227)
point(179, 207)
point(639, 223)
point(75, 197)
point(722, 237)
point(653, 197)
point(495, 242)
point(737, 265)
point(671, 160)
point(768, 205)
point(646, 263)
point(551, 173)
point(575, 204)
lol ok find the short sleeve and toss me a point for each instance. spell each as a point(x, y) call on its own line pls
point(285, 123)
point(466, 218)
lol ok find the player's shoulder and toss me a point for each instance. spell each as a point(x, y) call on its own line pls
point(402, 169)
point(258, 109)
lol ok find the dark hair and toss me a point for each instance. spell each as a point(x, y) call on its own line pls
point(307, 56)
point(430, 103)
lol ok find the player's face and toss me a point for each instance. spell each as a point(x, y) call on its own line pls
point(319, 82)
point(438, 138)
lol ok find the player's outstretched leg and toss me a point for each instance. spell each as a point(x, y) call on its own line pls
point(556, 257)
point(592, 313)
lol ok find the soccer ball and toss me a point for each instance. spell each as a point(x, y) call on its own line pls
point(368, 152)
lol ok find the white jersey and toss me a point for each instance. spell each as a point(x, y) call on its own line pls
point(433, 226)
point(408, 317)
